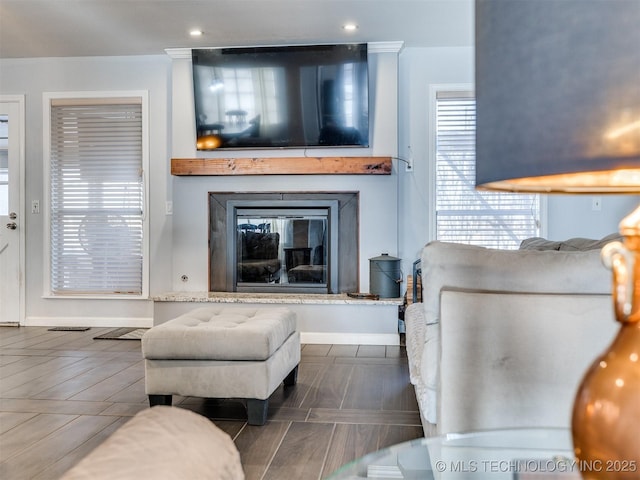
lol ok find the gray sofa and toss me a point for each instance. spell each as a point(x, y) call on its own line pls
point(259, 257)
point(163, 443)
point(504, 336)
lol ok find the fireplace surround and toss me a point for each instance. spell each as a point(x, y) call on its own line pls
point(283, 242)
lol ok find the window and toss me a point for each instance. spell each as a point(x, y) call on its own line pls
point(97, 224)
point(254, 92)
point(463, 214)
point(4, 165)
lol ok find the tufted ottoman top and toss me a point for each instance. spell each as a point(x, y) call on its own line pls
point(220, 333)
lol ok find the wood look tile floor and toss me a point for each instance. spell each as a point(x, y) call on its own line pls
point(63, 393)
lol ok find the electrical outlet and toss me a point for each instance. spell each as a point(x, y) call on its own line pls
point(35, 206)
point(169, 207)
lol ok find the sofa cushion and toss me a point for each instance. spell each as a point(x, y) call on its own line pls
point(260, 246)
point(163, 443)
point(467, 267)
point(516, 360)
point(575, 244)
point(259, 270)
point(258, 252)
point(221, 333)
point(472, 267)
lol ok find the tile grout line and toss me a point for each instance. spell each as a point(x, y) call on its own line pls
point(326, 453)
point(275, 451)
point(346, 389)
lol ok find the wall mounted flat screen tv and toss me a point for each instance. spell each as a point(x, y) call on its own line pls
point(281, 97)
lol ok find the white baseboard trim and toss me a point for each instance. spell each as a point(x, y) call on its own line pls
point(141, 322)
point(112, 322)
point(350, 338)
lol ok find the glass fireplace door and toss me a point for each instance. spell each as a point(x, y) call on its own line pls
point(282, 249)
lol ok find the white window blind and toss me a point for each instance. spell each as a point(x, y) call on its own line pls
point(463, 214)
point(96, 197)
point(4, 165)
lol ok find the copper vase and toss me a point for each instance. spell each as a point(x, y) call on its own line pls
point(606, 412)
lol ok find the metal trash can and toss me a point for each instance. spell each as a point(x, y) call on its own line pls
point(385, 276)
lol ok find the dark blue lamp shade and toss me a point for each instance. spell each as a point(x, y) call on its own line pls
point(558, 95)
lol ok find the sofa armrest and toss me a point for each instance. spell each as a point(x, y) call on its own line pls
point(516, 359)
point(415, 336)
point(416, 293)
point(162, 442)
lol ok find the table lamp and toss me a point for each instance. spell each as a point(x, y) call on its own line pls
point(558, 111)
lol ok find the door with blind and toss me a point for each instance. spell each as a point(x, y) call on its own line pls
point(97, 197)
point(11, 214)
point(464, 214)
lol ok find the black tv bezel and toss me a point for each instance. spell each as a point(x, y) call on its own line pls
point(253, 49)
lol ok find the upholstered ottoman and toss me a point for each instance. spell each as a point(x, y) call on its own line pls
point(223, 352)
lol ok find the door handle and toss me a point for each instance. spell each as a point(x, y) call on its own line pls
point(12, 225)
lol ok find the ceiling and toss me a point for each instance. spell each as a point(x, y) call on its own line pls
point(66, 28)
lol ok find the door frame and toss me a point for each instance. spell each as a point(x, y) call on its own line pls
point(20, 101)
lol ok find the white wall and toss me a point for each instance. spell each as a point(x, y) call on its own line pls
point(32, 77)
point(178, 242)
point(394, 209)
point(378, 218)
point(420, 68)
point(568, 215)
point(573, 215)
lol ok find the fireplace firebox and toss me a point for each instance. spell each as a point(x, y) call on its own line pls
point(283, 242)
point(291, 246)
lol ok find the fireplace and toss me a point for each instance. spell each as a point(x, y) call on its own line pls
point(283, 242)
point(289, 245)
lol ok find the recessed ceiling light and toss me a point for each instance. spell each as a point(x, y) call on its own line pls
point(350, 27)
point(195, 32)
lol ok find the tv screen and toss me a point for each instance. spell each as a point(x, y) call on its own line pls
point(281, 97)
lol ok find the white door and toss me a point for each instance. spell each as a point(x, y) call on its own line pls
point(11, 213)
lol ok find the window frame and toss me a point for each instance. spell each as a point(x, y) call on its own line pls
point(105, 97)
point(432, 123)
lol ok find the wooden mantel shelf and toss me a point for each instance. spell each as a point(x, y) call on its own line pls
point(282, 166)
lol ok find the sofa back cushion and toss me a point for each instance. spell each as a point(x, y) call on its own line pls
point(459, 267)
point(259, 246)
point(516, 360)
point(575, 244)
point(469, 267)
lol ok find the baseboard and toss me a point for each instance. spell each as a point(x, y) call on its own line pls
point(124, 322)
point(111, 322)
point(350, 338)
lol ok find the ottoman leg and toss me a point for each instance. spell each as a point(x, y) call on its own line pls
point(257, 411)
point(159, 400)
point(292, 378)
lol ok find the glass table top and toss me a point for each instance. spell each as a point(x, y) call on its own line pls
point(517, 454)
